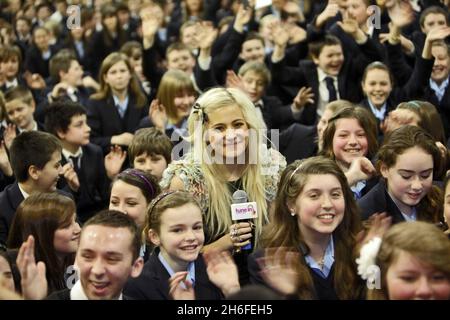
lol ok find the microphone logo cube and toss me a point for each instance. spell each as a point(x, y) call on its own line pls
point(243, 211)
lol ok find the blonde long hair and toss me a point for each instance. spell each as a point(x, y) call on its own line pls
point(218, 219)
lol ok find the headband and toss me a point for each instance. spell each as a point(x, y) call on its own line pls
point(159, 198)
point(139, 175)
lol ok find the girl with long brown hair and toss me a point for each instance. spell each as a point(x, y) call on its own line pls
point(407, 161)
point(50, 219)
point(316, 221)
point(114, 112)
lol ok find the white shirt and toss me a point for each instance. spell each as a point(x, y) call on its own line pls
point(67, 154)
point(24, 194)
point(378, 113)
point(77, 292)
point(324, 95)
point(35, 128)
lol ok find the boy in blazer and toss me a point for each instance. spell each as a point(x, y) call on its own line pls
point(329, 74)
point(67, 121)
point(36, 163)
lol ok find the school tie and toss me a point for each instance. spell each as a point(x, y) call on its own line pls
point(75, 163)
point(331, 89)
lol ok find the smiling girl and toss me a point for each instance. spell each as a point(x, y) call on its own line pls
point(406, 161)
point(414, 261)
point(351, 137)
point(175, 227)
point(316, 218)
point(50, 219)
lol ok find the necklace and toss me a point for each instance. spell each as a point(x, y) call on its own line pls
point(321, 263)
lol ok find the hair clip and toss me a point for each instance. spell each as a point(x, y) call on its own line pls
point(199, 110)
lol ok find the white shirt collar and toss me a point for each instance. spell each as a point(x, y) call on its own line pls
point(66, 153)
point(35, 128)
point(11, 84)
point(77, 292)
point(24, 194)
point(378, 113)
point(322, 75)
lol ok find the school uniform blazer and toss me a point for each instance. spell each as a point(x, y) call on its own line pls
point(298, 142)
point(10, 199)
point(93, 194)
point(377, 200)
point(153, 283)
point(288, 80)
point(105, 121)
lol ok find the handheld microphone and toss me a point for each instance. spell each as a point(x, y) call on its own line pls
point(241, 209)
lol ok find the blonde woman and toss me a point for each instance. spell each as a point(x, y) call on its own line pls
point(228, 154)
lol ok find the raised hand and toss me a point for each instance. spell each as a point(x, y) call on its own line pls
point(89, 82)
point(360, 169)
point(205, 34)
point(59, 89)
point(151, 22)
point(401, 13)
point(398, 118)
point(243, 17)
point(158, 115)
point(234, 81)
point(222, 271)
point(179, 292)
point(5, 166)
point(33, 278)
point(349, 25)
point(71, 177)
point(114, 161)
point(279, 269)
point(330, 11)
point(279, 33)
point(303, 97)
point(9, 134)
point(296, 34)
point(378, 224)
point(34, 81)
point(123, 139)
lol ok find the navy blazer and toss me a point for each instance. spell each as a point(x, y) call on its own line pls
point(10, 199)
point(105, 121)
point(298, 142)
point(153, 283)
point(377, 200)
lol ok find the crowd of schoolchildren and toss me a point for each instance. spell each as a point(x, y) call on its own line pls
point(127, 127)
